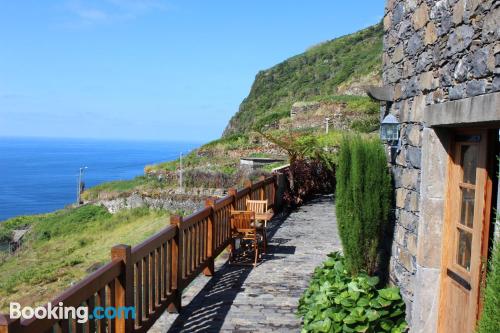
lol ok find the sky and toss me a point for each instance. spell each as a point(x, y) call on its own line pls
point(150, 69)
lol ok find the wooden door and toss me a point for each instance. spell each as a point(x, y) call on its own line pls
point(466, 231)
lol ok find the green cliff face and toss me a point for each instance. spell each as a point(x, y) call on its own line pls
point(331, 68)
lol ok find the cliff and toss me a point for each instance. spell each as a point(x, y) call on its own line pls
point(341, 66)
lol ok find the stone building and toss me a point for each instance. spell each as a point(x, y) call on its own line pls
point(441, 79)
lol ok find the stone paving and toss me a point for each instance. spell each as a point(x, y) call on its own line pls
point(265, 298)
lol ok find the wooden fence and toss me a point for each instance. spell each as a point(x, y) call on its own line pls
point(151, 275)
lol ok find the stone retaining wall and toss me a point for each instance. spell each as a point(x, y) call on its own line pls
point(189, 201)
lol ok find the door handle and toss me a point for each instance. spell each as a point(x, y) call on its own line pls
point(458, 279)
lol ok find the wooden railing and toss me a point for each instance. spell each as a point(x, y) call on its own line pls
point(152, 275)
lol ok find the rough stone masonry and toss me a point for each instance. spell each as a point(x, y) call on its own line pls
point(434, 52)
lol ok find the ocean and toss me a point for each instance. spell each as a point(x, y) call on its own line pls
point(39, 175)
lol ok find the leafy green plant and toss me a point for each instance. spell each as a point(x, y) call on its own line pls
point(363, 195)
point(311, 167)
point(337, 302)
point(489, 322)
point(299, 145)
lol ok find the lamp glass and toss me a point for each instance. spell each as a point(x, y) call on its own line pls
point(389, 129)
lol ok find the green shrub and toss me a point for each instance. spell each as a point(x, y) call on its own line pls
point(69, 221)
point(5, 235)
point(337, 302)
point(366, 125)
point(489, 322)
point(362, 201)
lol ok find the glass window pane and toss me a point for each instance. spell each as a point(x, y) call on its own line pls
point(467, 209)
point(464, 248)
point(469, 163)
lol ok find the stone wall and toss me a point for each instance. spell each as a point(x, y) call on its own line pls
point(314, 114)
point(190, 200)
point(304, 115)
point(434, 52)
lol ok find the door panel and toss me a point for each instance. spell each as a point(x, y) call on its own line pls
point(466, 222)
point(458, 320)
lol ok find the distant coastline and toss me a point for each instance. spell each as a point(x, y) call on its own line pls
point(39, 175)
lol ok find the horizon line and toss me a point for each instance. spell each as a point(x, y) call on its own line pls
point(103, 139)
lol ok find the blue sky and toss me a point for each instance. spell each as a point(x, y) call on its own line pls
point(150, 69)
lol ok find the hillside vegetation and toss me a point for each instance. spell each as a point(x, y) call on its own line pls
point(320, 71)
point(63, 247)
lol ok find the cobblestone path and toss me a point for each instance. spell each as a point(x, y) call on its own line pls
point(265, 298)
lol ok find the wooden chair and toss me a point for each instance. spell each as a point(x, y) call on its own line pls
point(243, 226)
point(260, 209)
point(262, 213)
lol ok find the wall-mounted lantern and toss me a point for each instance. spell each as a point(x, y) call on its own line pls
point(389, 133)
point(389, 130)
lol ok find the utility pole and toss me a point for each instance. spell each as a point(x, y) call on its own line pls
point(180, 173)
point(79, 185)
point(327, 120)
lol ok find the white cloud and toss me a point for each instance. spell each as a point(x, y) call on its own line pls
point(108, 11)
point(91, 14)
point(139, 5)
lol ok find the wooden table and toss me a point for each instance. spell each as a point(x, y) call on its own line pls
point(264, 217)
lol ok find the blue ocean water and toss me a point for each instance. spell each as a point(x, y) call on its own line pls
point(39, 175)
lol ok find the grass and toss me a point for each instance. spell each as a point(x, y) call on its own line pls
point(360, 104)
point(63, 247)
point(235, 141)
point(124, 186)
point(488, 322)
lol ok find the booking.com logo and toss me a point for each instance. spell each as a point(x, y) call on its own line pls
point(80, 314)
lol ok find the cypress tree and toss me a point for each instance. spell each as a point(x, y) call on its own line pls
point(362, 201)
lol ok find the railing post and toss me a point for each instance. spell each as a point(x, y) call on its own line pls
point(8, 325)
point(209, 270)
point(248, 184)
point(233, 193)
point(277, 192)
point(262, 189)
point(124, 289)
point(274, 191)
point(176, 275)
